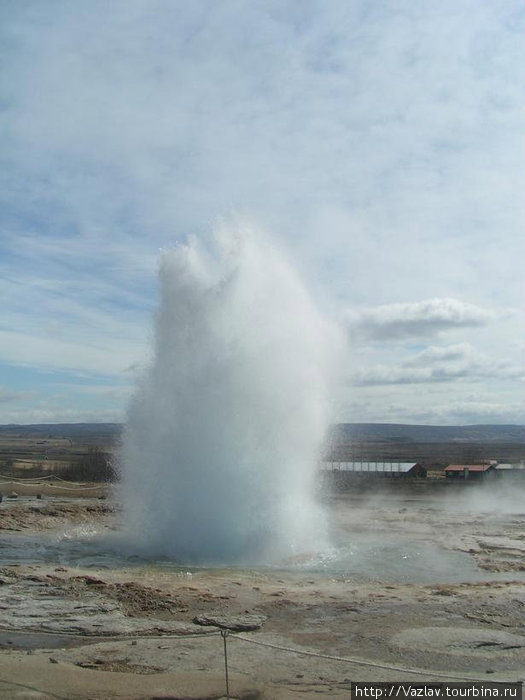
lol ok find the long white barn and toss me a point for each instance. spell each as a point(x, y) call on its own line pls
point(385, 468)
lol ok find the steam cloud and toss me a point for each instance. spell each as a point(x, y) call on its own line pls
point(225, 429)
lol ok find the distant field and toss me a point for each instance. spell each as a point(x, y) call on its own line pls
point(430, 454)
point(433, 446)
point(45, 465)
point(399, 432)
point(55, 447)
point(83, 449)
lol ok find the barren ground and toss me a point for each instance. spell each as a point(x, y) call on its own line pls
point(68, 631)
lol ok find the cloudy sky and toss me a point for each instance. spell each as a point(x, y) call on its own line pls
point(380, 141)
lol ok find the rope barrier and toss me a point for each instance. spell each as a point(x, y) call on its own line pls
point(131, 638)
point(21, 483)
point(361, 662)
point(80, 488)
point(257, 642)
point(57, 486)
point(36, 479)
point(31, 478)
point(66, 481)
point(111, 638)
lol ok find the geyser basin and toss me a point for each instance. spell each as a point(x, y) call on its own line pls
point(418, 539)
point(364, 559)
point(224, 432)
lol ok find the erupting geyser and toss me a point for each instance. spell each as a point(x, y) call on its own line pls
point(225, 429)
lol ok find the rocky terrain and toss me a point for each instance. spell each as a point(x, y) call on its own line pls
point(144, 631)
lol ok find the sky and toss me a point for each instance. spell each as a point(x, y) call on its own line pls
point(381, 142)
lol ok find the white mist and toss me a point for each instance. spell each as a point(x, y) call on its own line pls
point(224, 432)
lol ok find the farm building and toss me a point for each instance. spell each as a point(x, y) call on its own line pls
point(511, 471)
point(516, 467)
point(469, 471)
point(378, 469)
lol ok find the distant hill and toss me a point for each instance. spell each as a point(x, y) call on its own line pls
point(398, 432)
point(342, 432)
point(67, 430)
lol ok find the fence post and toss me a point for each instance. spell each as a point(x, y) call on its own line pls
point(224, 634)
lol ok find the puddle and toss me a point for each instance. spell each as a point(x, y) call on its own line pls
point(36, 640)
point(369, 558)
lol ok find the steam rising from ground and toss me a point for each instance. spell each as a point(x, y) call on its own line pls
point(224, 432)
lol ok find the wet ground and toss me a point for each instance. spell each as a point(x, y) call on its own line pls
point(423, 582)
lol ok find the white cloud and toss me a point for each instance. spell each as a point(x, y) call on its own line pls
point(459, 362)
point(415, 319)
point(442, 353)
point(384, 375)
point(382, 142)
point(55, 414)
point(102, 358)
point(7, 396)
point(434, 406)
point(469, 412)
point(116, 392)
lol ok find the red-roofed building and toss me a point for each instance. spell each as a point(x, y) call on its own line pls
point(468, 471)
